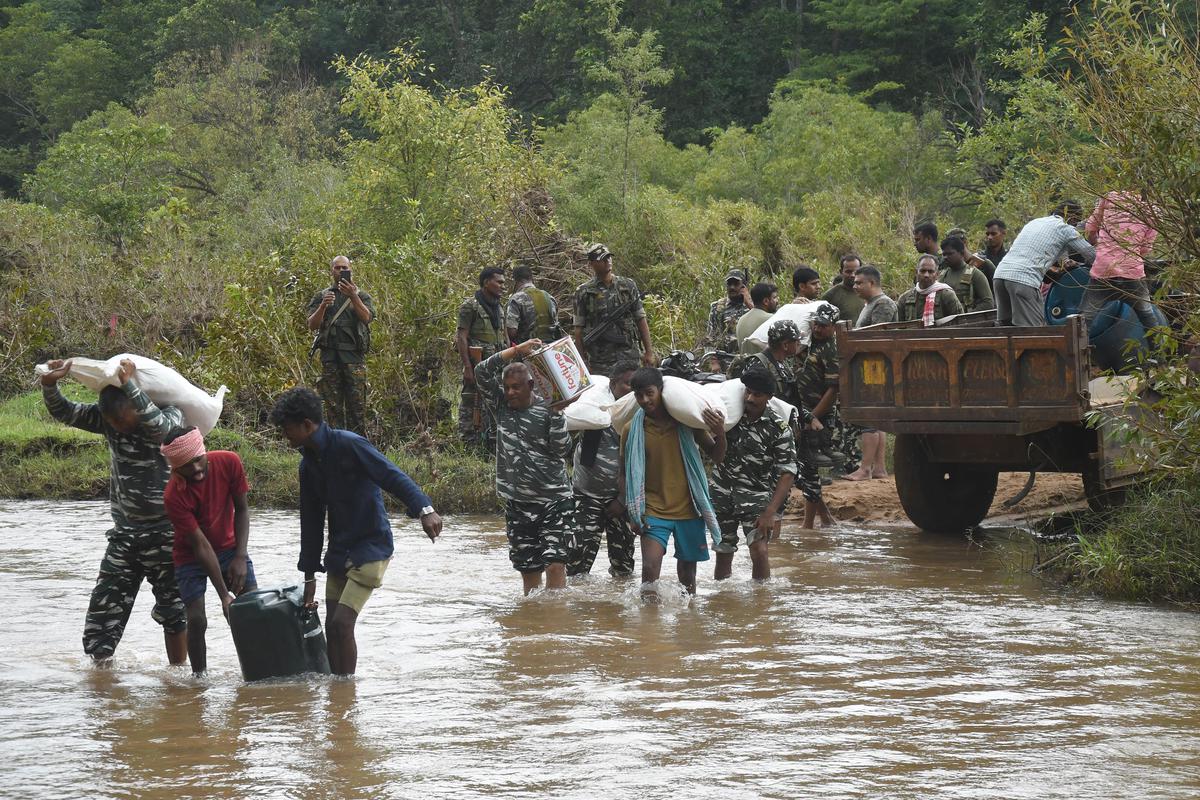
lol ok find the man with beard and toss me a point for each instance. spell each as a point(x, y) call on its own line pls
point(929, 300)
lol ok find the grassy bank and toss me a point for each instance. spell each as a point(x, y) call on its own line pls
point(42, 459)
point(1149, 549)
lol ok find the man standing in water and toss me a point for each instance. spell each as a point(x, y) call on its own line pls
point(206, 502)
point(598, 508)
point(663, 483)
point(341, 475)
point(751, 485)
point(139, 543)
point(531, 476)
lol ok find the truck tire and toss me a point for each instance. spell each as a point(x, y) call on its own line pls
point(941, 498)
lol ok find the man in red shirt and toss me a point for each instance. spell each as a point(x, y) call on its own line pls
point(206, 503)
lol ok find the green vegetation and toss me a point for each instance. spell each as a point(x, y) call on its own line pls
point(41, 458)
point(178, 175)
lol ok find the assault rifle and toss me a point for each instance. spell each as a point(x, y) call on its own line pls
point(325, 326)
point(607, 320)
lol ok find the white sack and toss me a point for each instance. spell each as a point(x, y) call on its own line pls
point(799, 313)
point(685, 402)
point(587, 413)
point(163, 385)
point(732, 395)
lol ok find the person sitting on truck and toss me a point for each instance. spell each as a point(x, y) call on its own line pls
point(205, 500)
point(751, 484)
point(968, 281)
point(341, 475)
point(1123, 239)
point(930, 299)
point(878, 308)
point(1039, 245)
point(994, 233)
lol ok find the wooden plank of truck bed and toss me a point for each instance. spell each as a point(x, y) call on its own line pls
point(966, 376)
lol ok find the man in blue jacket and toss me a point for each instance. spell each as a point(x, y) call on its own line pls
point(341, 475)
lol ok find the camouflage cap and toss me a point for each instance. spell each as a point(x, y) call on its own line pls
point(783, 330)
point(736, 275)
point(597, 252)
point(825, 315)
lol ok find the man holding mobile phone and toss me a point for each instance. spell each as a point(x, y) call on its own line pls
point(341, 317)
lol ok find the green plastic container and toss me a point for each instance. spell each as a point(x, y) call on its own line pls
point(275, 635)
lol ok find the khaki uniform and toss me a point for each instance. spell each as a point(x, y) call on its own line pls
point(911, 305)
point(972, 287)
point(344, 343)
point(594, 302)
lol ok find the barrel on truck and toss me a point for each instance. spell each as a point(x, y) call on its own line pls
point(968, 399)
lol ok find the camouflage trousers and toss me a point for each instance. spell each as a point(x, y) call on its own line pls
point(127, 560)
point(742, 512)
point(592, 521)
point(845, 440)
point(540, 533)
point(482, 435)
point(809, 479)
point(343, 390)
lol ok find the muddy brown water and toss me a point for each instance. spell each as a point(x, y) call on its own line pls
point(874, 664)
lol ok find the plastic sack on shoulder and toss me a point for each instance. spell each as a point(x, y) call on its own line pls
point(163, 385)
point(799, 313)
point(587, 413)
point(685, 403)
point(732, 395)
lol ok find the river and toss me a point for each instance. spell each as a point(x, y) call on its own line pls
point(874, 664)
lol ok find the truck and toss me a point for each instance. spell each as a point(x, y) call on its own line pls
point(967, 399)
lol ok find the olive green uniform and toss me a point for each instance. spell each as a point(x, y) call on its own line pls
point(619, 341)
point(344, 342)
point(847, 301)
point(911, 305)
point(533, 314)
point(490, 339)
point(972, 287)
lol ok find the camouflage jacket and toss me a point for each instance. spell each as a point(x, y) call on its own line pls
point(757, 455)
point(877, 311)
point(817, 372)
point(911, 305)
point(138, 473)
point(531, 444)
point(594, 301)
point(599, 479)
point(523, 315)
point(721, 332)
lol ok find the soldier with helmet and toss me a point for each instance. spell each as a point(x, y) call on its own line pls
point(609, 318)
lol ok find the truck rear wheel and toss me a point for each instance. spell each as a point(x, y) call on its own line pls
point(941, 498)
point(1099, 498)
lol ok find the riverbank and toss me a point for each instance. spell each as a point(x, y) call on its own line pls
point(43, 459)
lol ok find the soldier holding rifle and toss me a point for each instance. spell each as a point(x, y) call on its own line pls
point(480, 334)
point(609, 318)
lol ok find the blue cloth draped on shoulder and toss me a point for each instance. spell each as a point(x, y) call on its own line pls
point(635, 475)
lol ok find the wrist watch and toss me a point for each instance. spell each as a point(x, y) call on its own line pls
point(427, 510)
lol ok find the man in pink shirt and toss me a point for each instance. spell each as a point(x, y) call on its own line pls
point(1122, 237)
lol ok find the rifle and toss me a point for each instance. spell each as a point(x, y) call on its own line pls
point(607, 320)
point(475, 355)
point(325, 326)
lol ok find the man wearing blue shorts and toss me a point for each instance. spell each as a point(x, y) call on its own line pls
point(663, 482)
point(205, 500)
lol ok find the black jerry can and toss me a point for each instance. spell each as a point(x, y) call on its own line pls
point(275, 635)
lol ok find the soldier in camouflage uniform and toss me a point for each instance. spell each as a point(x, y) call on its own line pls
point(817, 388)
point(343, 336)
point(751, 485)
point(532, 312)
point(598, 510)
point(480, 334)
point(723, 314)
point(783, 342)
point(141, 539)
point(531, 477)
point(603, 345)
